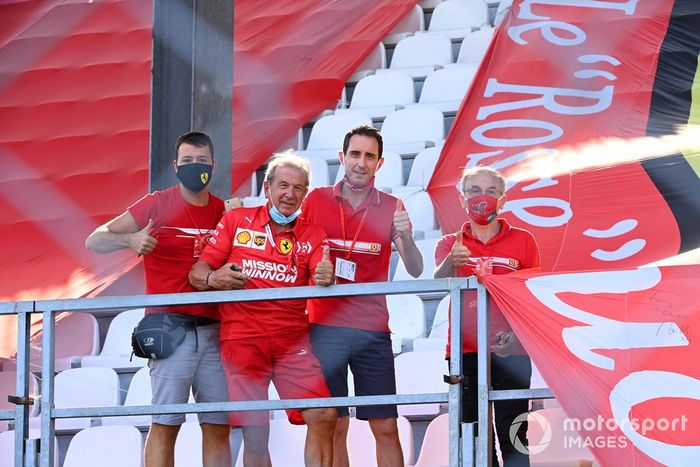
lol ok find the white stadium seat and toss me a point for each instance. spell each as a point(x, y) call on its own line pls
point(427, 249)
point(83, 387)
point(437, 336)
point(421, 54)
point(445, 89)
point(474, 46)
point(106, 446)
point(435, 448)
point(380, 94)
point(503, 9)
point(327, 134)
point(410, 130)
point(406, 319)
point(419, 373)
point(139, 393)
point(456, 18)
point(374, 61)
point(116, 351)
point(414, 21)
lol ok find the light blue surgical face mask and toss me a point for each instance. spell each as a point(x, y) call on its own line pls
point(280, 218)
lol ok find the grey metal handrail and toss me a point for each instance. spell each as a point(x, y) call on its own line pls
point(462, 441)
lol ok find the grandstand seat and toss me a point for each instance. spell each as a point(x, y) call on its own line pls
point(421, 54)
point(423, 166)
point(106, 446)
point(437, 337)
point(418, 373)
point(503, 9)
point(435, 448)
point(414, 21)
point(427, 249)
point(374, 61)
point(410, 130)
point(7, 447)
point(286, 444)
point(83, 387)
point(456, 18)
point(380, 94)
point(361, 442)
point(8, 386)
point(406, 319)
point(421, 211)
point(421, 172)
point(429, 4)
point(559, 451)
point(188, 445)
point(327, 134)
point(139, 393)
point(319, 172)
point(116, 351)
point(70, 351)
point(445, 89)
point(474, 46)
point(389, 176)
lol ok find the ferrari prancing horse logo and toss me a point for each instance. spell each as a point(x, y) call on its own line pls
point(286, 245)
point(204, 177)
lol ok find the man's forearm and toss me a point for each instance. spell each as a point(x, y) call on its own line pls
point(104, 241)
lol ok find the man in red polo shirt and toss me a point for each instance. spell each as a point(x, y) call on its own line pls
point(487, 244)
point(169, 229)
point(263, 341)
point(362, 223)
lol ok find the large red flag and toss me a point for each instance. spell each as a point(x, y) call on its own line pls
point(579, 82)
point(619, 349)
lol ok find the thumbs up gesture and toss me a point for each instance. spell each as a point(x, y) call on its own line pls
point(402, 223)
point(324, 269)
point(460, 253)
point(142, 242)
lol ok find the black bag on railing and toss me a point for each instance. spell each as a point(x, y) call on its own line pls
point(158, 334)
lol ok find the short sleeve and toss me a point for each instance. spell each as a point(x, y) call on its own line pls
point(144, 209)
point(218, 249)
point(443, 248)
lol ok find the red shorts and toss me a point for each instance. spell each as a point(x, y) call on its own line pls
point(287, 361)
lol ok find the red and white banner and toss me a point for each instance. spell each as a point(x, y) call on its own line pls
point(568, 83)
point(620, 351)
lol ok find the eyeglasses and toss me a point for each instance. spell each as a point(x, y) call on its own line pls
point(476, 191)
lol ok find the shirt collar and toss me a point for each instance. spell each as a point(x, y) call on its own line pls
point(373, 197)
point(263, 217)
point(505, 228)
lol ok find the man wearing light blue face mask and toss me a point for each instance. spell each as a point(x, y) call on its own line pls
point(262, 341)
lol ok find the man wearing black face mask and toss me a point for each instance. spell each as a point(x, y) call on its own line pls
point(170, 228)
point(487, 244)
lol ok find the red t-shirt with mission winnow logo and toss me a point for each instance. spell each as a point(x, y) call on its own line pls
point(245, 237)
point(181, 230)
point(511, 249)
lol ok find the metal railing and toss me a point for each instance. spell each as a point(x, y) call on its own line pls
point(465, 446)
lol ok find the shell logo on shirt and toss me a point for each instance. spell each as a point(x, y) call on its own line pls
point(250, 239)
point(243, 237)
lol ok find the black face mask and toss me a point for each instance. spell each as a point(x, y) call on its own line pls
point(195, 176)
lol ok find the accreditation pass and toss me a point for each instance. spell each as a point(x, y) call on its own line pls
point(345, 269)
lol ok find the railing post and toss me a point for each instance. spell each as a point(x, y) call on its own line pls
point(22, 387)
point(47, 386)
point(455, 389)
point(483, 446)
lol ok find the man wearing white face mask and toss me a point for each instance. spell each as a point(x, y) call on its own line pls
point(263, 341)
point(169, 229)
point(487, 244)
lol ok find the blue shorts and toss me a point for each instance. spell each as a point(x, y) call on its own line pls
point(371, 360)
point(172, 377)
